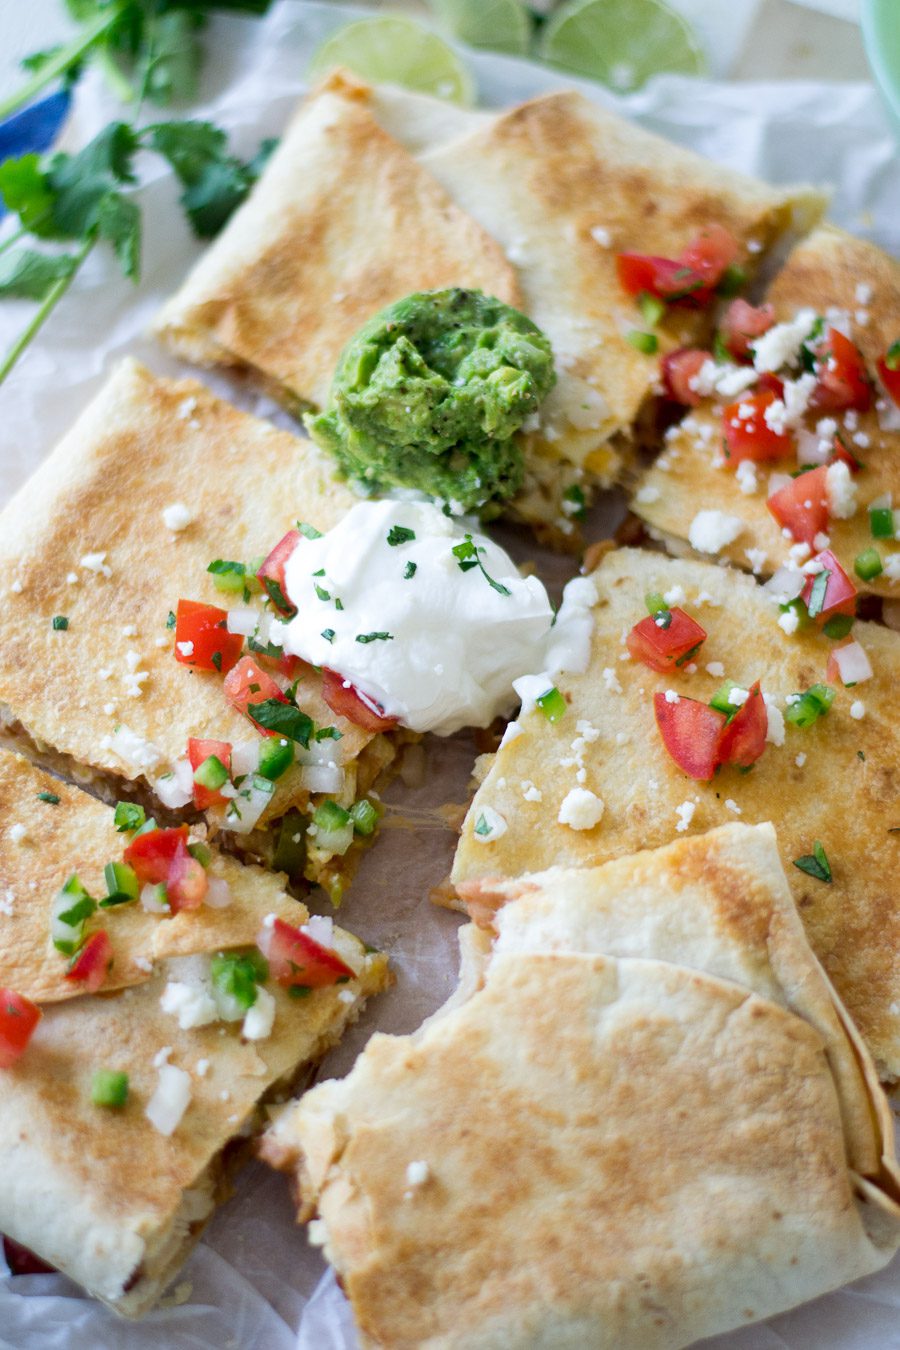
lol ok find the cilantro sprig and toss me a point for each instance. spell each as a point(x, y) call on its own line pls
point(468, 556)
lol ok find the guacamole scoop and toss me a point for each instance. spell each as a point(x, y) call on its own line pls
point(429, 394)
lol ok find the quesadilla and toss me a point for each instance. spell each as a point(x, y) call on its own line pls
point(644, 1127)
point(814, 402)
point(107, 551)
point(172, 1072)
point(599, 781)
point(342, 223)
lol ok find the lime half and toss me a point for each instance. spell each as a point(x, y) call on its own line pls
point(396, 51)
point(621, 42)
point(499, 25)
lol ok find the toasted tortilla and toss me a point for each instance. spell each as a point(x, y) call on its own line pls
point(101, 1194)
point(842, 791)
point(342, 223)
point(829, 270)
point(639, 1152)
point(141, 446)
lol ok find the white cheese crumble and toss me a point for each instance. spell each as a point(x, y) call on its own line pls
point(134, 750)
point(601, 235)
point(780, 346)
point(647, 494)
point(756, 557)
point(775, 723)
point(789, 621)
point(192, 1004)
point(857, 710)
point(732, 806)
point(417, 1173)
point(685, 814)
point(746, 477)
point(170, 1099)
point(716, 669)
point(18, 833)
point(611, 680)
point(96, 562)
point(260, 1017)
point(801, 759)
point(840, 490)
point(672, 696)
point(581, 809)
point(176, 517)
point(710, 531)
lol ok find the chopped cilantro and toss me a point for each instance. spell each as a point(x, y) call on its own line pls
point(575, 495)
point(648, 343)
point(817, 594)
point(60, 623)
point(170, 619)
point(328, 734)
point(278, 597)
point(483, 826)
point(283, 718)
point(374, 637)
point(409, 570)
point(652, 309)
point(128, 816)
point(321, 592)
point(399, 534)
point(328, 634)
point(467, 555)
point(49, 797)
point(216, 659)
point(892, 360)
point(308, 531)
point(815, 864)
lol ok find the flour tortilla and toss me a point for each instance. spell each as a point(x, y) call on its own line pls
point(639, 1153)
point(142, 445)
point(824, 272)
point(342, 223)
point(845, 798)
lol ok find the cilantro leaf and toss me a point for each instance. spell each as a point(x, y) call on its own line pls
point(815, 864)
point(25, 193)
point(119, 223)
point(214, 181)
point(468, 555)
point(28, 275)
point(282, 718)
point(80, 182)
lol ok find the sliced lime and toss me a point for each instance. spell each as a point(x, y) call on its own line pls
point(499, 25)
point(621, 42)
point(396, 51)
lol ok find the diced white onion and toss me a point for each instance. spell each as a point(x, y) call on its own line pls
point(853, 663)
point(786, 584)
point(245, 810)
point(777, 481)
point(317, 752)
point(812, 449)
point(260, 1019)
point(245, 757)
point(218, 893)
point(334, 842)
point(170, 1099)
point(150, 901)
point(320, 928)
point(176, 789)
point(322, 778)
point(242, 619)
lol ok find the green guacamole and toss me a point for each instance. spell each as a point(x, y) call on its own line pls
point(429, 393)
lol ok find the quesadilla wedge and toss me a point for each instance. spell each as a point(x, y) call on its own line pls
point(342, 223)
point(121, 663)
point(171, 1072)
point(820, 761)
point(825, 408)
point(641, 1134)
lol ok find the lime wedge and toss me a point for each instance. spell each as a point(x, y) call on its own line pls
point(396, 51)
point(499, 25)
point(621, 42)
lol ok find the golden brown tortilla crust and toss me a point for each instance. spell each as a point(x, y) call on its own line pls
point(822, 272)
point(342, 223)
point(849, 802)
point(624, 1152)
point(142, 445)
point(77, 835)
point(540, 178)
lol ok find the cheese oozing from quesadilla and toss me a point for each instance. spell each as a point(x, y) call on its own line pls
point(598, 781)
point(588, 1121)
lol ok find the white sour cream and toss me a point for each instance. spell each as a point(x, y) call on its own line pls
point(456, 643)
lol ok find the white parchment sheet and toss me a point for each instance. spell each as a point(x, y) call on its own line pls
point(254, 1283)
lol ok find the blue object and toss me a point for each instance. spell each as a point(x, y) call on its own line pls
point(34, 128)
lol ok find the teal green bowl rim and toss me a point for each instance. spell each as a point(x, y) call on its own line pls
point(881, 36)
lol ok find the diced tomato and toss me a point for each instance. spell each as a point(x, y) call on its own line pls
point(91, 964)
point(802, 506)
point(198, 751)
point(203, 626)
point(297, 959)
point(690, 279)
point(162, 856)
point(748, 434)
point(692, 734)
point(843, 453)
point(18, 1019)
point(744, 739)
point(742, 323)
point(889, 378)
point(679, 368)
point(769, 383)
point(665, 648)
point(22, 1261)
point(840, 592)
point(714, 250)
point(347, 701)
point(841, 374)
point(271, 574)
point(247, 684)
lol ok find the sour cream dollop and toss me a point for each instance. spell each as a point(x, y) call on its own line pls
point(419, 629)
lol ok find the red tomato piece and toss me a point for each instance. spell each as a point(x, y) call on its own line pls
point(344, 699)
point(840, 592)
point(22, 1261)
point(890, 379)
point(744, 738)
point(162, 856)
point(297, 959)
point(768, 383)
point(247, 684)
point(841, 373)
point(203, 626)
point(691, 733)
point(679, 368)
point(802, 506)
point(90, 966)
point(742, 323)
point(271, 574)
point(664, 278)
point(665, 648)
point(843, 452)
point(748, 434)
point(18, 1019)
point(198, 751)
point(714, 250)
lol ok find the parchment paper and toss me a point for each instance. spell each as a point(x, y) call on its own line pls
point(254, 1284)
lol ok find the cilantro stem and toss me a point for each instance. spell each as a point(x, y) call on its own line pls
point(121, 87)
point(57, 65)
point(47, 305)
point(14, 238)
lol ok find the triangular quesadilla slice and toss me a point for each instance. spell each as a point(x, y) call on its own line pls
point(639, 1153)
point(818, 403)
point(599, 782)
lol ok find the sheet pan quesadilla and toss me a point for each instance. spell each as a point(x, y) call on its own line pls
point(638, 756)
point(119, 656)
point(584, 1150)
point(818, 402)
point(125, 1116)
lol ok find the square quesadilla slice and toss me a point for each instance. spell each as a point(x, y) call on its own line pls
point(830, 281)
point(195, 1085)
point(590, 1125)
point(157, 480)
point(598, 782)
